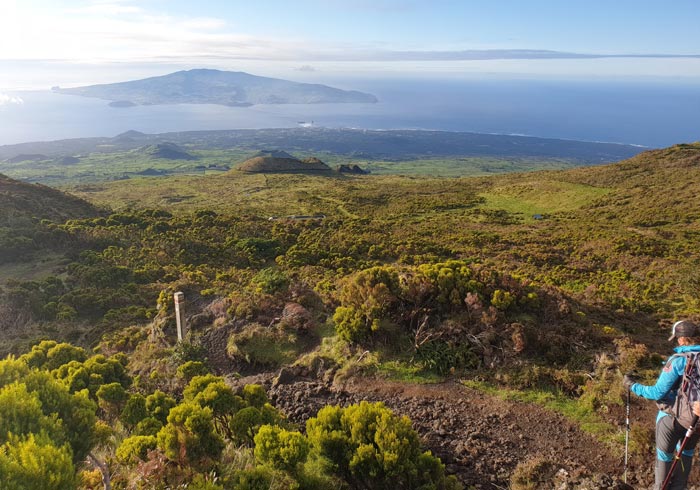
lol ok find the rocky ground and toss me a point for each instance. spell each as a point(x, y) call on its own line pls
point(481, 439)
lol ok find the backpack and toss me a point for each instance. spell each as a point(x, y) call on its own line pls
point(688, 391)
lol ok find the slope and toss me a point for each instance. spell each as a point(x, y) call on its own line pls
point(446, 275)
point(23, 207)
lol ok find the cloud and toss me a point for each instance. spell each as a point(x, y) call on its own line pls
point(10, 99)
point(125, 31)
point(108, 8)
point(470, 55)
point(306, 68)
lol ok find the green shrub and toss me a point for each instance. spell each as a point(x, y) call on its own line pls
point(189, 436)
point(351, 324)
point(247, 421)
point(37, 357)
point(370, 447)
point(198, 384)
point(502, 300)
point(255, 395)
point(21, 414)
point(93, 373)
point(158, 406)
point(270, 281)
point(191, 369)
point(36, 463)
point(449, 282)
point(134, 410)
point(281, 448)
point(147, 427)
point(73, 415)
point(187, 351)
point(135, 448)
point(111, 398)
point(50, 355)
point(368, 299)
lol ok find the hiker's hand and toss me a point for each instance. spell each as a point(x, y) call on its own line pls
point(629, 379)
point(696, 409)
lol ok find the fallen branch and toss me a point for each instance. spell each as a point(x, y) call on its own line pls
point(106, 482)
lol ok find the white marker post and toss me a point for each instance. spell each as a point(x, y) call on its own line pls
point(180, 315)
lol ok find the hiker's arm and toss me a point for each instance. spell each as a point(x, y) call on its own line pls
point(669, 375)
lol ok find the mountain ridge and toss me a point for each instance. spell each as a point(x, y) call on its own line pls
point(207, 86)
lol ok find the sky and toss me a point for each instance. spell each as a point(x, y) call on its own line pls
point(72, 42)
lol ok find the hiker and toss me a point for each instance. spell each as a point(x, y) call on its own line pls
point(669, 431)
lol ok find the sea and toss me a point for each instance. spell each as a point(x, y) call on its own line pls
point(645, 113)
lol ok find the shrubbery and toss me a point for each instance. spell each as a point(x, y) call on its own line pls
point(135, 448)
point(363, 446)
point(370, 447)
point(189, 438)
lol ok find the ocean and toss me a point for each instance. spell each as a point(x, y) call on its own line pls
point(652, 114)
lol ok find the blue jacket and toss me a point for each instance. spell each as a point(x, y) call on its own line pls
point(666, 386)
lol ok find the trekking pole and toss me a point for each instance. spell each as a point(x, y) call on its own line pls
point(688, 434)
point(627, 434)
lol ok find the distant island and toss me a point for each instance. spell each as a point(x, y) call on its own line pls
point(236, 89)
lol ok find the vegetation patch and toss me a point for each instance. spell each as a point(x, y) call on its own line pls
point(543, 197)
point(572, 409)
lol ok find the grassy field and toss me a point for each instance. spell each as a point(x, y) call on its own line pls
point(47, 265)
point(540, 196)
point(101, 167)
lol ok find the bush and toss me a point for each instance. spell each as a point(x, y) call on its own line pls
point(351, 325)
point(93, 373)
point(296, 318)
point(186, 351)
point(255, 395)
point(198, 384)
point(189, 436)
point(148, 427)
point(21, 414)
point(50, 355)
point(632, 356)
point(134, 449)
point(71, 414)
point(245, 424)
point(134, 410)
point(270, 281)
point(191, 369)
point(158, 406)
point(281, 448)
point(370, 447)
point(111, 398)
point(368, 300)
point(449, 282)
point(502, 300)
point(36, 463)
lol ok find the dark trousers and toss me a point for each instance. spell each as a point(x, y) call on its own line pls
point(669, 435)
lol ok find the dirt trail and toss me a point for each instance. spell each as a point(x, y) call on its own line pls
point(480, 438)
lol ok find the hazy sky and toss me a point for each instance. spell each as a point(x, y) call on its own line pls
point(97, 39)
